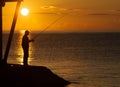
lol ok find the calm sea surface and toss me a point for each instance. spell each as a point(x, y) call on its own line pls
point(85, 59)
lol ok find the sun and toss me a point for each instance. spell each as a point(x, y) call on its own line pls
point(24, 11)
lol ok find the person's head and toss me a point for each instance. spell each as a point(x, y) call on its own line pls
point(26, 32)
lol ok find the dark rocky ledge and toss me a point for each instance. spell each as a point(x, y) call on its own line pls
point(14, 75)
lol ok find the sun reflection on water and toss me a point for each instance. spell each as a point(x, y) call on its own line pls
point(19, 51)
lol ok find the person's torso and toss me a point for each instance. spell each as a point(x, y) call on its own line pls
point(25, 42)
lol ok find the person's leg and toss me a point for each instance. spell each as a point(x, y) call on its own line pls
point(25, 59)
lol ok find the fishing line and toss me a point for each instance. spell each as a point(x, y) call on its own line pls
point(48, 26)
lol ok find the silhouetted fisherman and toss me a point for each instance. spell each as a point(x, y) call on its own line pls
point(25, 46)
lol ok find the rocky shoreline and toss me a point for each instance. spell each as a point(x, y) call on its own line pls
point(15, 75)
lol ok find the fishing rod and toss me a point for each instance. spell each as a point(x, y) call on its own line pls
point(48, 26)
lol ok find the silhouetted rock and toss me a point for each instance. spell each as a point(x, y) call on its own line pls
point(15, 75)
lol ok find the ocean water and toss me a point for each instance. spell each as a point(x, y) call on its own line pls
point(85, 59)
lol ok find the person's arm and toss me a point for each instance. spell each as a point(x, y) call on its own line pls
point(31, 40)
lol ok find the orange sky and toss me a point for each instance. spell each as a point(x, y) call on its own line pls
point(80, 15)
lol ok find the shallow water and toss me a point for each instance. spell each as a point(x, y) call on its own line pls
point(85, 59)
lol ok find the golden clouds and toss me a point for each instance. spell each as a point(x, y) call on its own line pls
point(80, 15)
